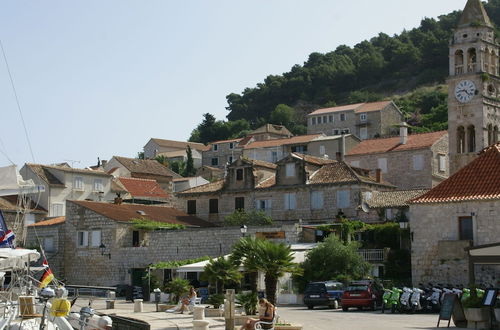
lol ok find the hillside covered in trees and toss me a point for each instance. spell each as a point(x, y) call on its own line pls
point(409, 68)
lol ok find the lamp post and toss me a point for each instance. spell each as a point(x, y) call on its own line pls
point(102, 247)
point(243, 230)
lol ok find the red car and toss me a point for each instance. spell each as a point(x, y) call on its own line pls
point(362, 294)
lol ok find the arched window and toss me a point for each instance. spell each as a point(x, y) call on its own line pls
point(472, 60)
point(491, 61)
point(495, 134)
point(459, 62)
point(471, 138)
point(490, 134)
point(460, 140)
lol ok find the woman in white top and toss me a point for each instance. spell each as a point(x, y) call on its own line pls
point(189, 300)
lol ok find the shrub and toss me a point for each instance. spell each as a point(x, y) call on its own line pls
point(177, 287)
point(240, 217)
point(216, 300)
point(249, 302)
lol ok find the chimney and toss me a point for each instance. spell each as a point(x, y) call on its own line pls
point(403, 133)
point(378, 175)
point(341, 153)
point(103, 162)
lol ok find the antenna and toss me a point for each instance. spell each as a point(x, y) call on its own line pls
point(72, 161)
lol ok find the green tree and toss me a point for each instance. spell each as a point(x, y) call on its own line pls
point(177, 166)
point(162, 160)
point(177, 287)
point(275, 259)
point(221, 272)
point(140, 155)
point(189, 170)
point(282, 115)
point(246, 252)
point(332, 259)
point(241, 217)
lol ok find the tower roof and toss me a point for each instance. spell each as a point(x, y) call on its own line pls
point(474, 13)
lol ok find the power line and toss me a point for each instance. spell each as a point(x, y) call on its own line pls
point(17, 101)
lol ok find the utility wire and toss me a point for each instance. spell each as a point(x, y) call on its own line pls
point(3, 150)
point(17, 101)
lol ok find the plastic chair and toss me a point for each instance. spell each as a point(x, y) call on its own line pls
point(258, 325)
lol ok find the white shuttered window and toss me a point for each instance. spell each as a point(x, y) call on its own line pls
point(316, 200)
point(343, 199)
point(290, 201)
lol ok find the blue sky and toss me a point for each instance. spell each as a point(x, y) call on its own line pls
point(100, 77)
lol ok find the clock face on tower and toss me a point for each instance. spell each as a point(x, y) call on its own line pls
point(465, 91)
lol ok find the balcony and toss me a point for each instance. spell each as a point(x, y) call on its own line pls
point(373, 255)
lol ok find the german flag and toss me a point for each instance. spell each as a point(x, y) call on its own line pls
point(47, 276)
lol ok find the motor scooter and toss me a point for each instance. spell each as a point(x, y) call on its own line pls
point(434, 301)
point(405, 299)
point(385, 299)
point(416, 300)
point(393, 302)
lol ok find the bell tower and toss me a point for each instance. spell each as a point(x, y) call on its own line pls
point(473, 86)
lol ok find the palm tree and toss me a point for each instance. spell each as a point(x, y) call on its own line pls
point(246, 252)
point(221, 272)
point(275, 260)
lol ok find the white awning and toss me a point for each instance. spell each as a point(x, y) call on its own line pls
point(16, 258)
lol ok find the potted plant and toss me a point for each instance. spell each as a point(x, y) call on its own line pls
point(475, 313)
point(249, 302)
point(216, 300)
point(283, 325)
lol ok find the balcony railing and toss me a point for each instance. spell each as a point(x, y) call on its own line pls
point(373, 255)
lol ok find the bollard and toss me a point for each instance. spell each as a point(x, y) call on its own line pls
point(110, 304)
point(200, 325)
point(229, 309)
point(198, 313)
point(137, 305)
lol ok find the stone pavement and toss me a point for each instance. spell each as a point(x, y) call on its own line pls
point(157, 320)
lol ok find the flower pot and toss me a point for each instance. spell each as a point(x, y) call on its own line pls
point(477, 318)
point(288, 327)
point(214, 312)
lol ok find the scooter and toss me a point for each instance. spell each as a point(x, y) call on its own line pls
point(416, 300)
point(393, 302)
point(385, 299)
point(405, 299)
point(434, 301)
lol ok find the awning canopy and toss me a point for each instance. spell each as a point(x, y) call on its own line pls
point(488, 254)
point(16, 258)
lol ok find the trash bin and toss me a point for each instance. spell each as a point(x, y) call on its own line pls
point(110, 304)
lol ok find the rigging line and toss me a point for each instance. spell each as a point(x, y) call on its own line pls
point(17, 101)
point(5, 155)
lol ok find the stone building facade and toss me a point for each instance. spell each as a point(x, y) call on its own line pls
point(155, 146)
point(460, 212)
point(221, 153)
point(417, 161)
point(365, 120)
point(300, 187)
point(85, 263)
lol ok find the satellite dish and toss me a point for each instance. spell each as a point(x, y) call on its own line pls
point(365, 207)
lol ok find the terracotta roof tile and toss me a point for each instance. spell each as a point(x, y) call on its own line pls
point(342, 173)
point(245, 141)
point(271, 128)
point(180, 144)
point(399, 198)
point(478, 180)
point(49, 222)
point(269, 182)
point(211, 187)
point(281, 142)
point(225, 141)
point(127, 212)
point(313, 160)
point(261, 163)
point(357, 108)
point(415, 141)
point(146, 166)
point(9, 203)
point(143, 188)
point(43, 171)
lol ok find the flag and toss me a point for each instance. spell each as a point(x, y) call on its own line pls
point(47, 276)
point(7, 239)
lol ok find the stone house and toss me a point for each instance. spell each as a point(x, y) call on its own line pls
point(416, 161)
point(143, 191)
point(365, 120)
point(50, 235)
point(276, 149)
point(100, 245)
point(270, 132)
point(173, 149)
point(142, 169)
point(460, 212)
point(9, 208)
point(210, 173)
point(331, 146)
point(63, 182)
point(299, 187)
point(220, 153)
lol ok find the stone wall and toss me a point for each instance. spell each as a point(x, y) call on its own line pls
point(437, 253)
point(400, 171)
point(35, 237)
point(277, 210)
point(224, 154)
point(86, 265)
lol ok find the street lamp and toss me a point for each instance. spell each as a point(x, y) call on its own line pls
point(102, 247)
point(243, 230)
point(403, 225)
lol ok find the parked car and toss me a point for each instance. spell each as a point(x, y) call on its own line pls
point(362, 294)
point(326, 293)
